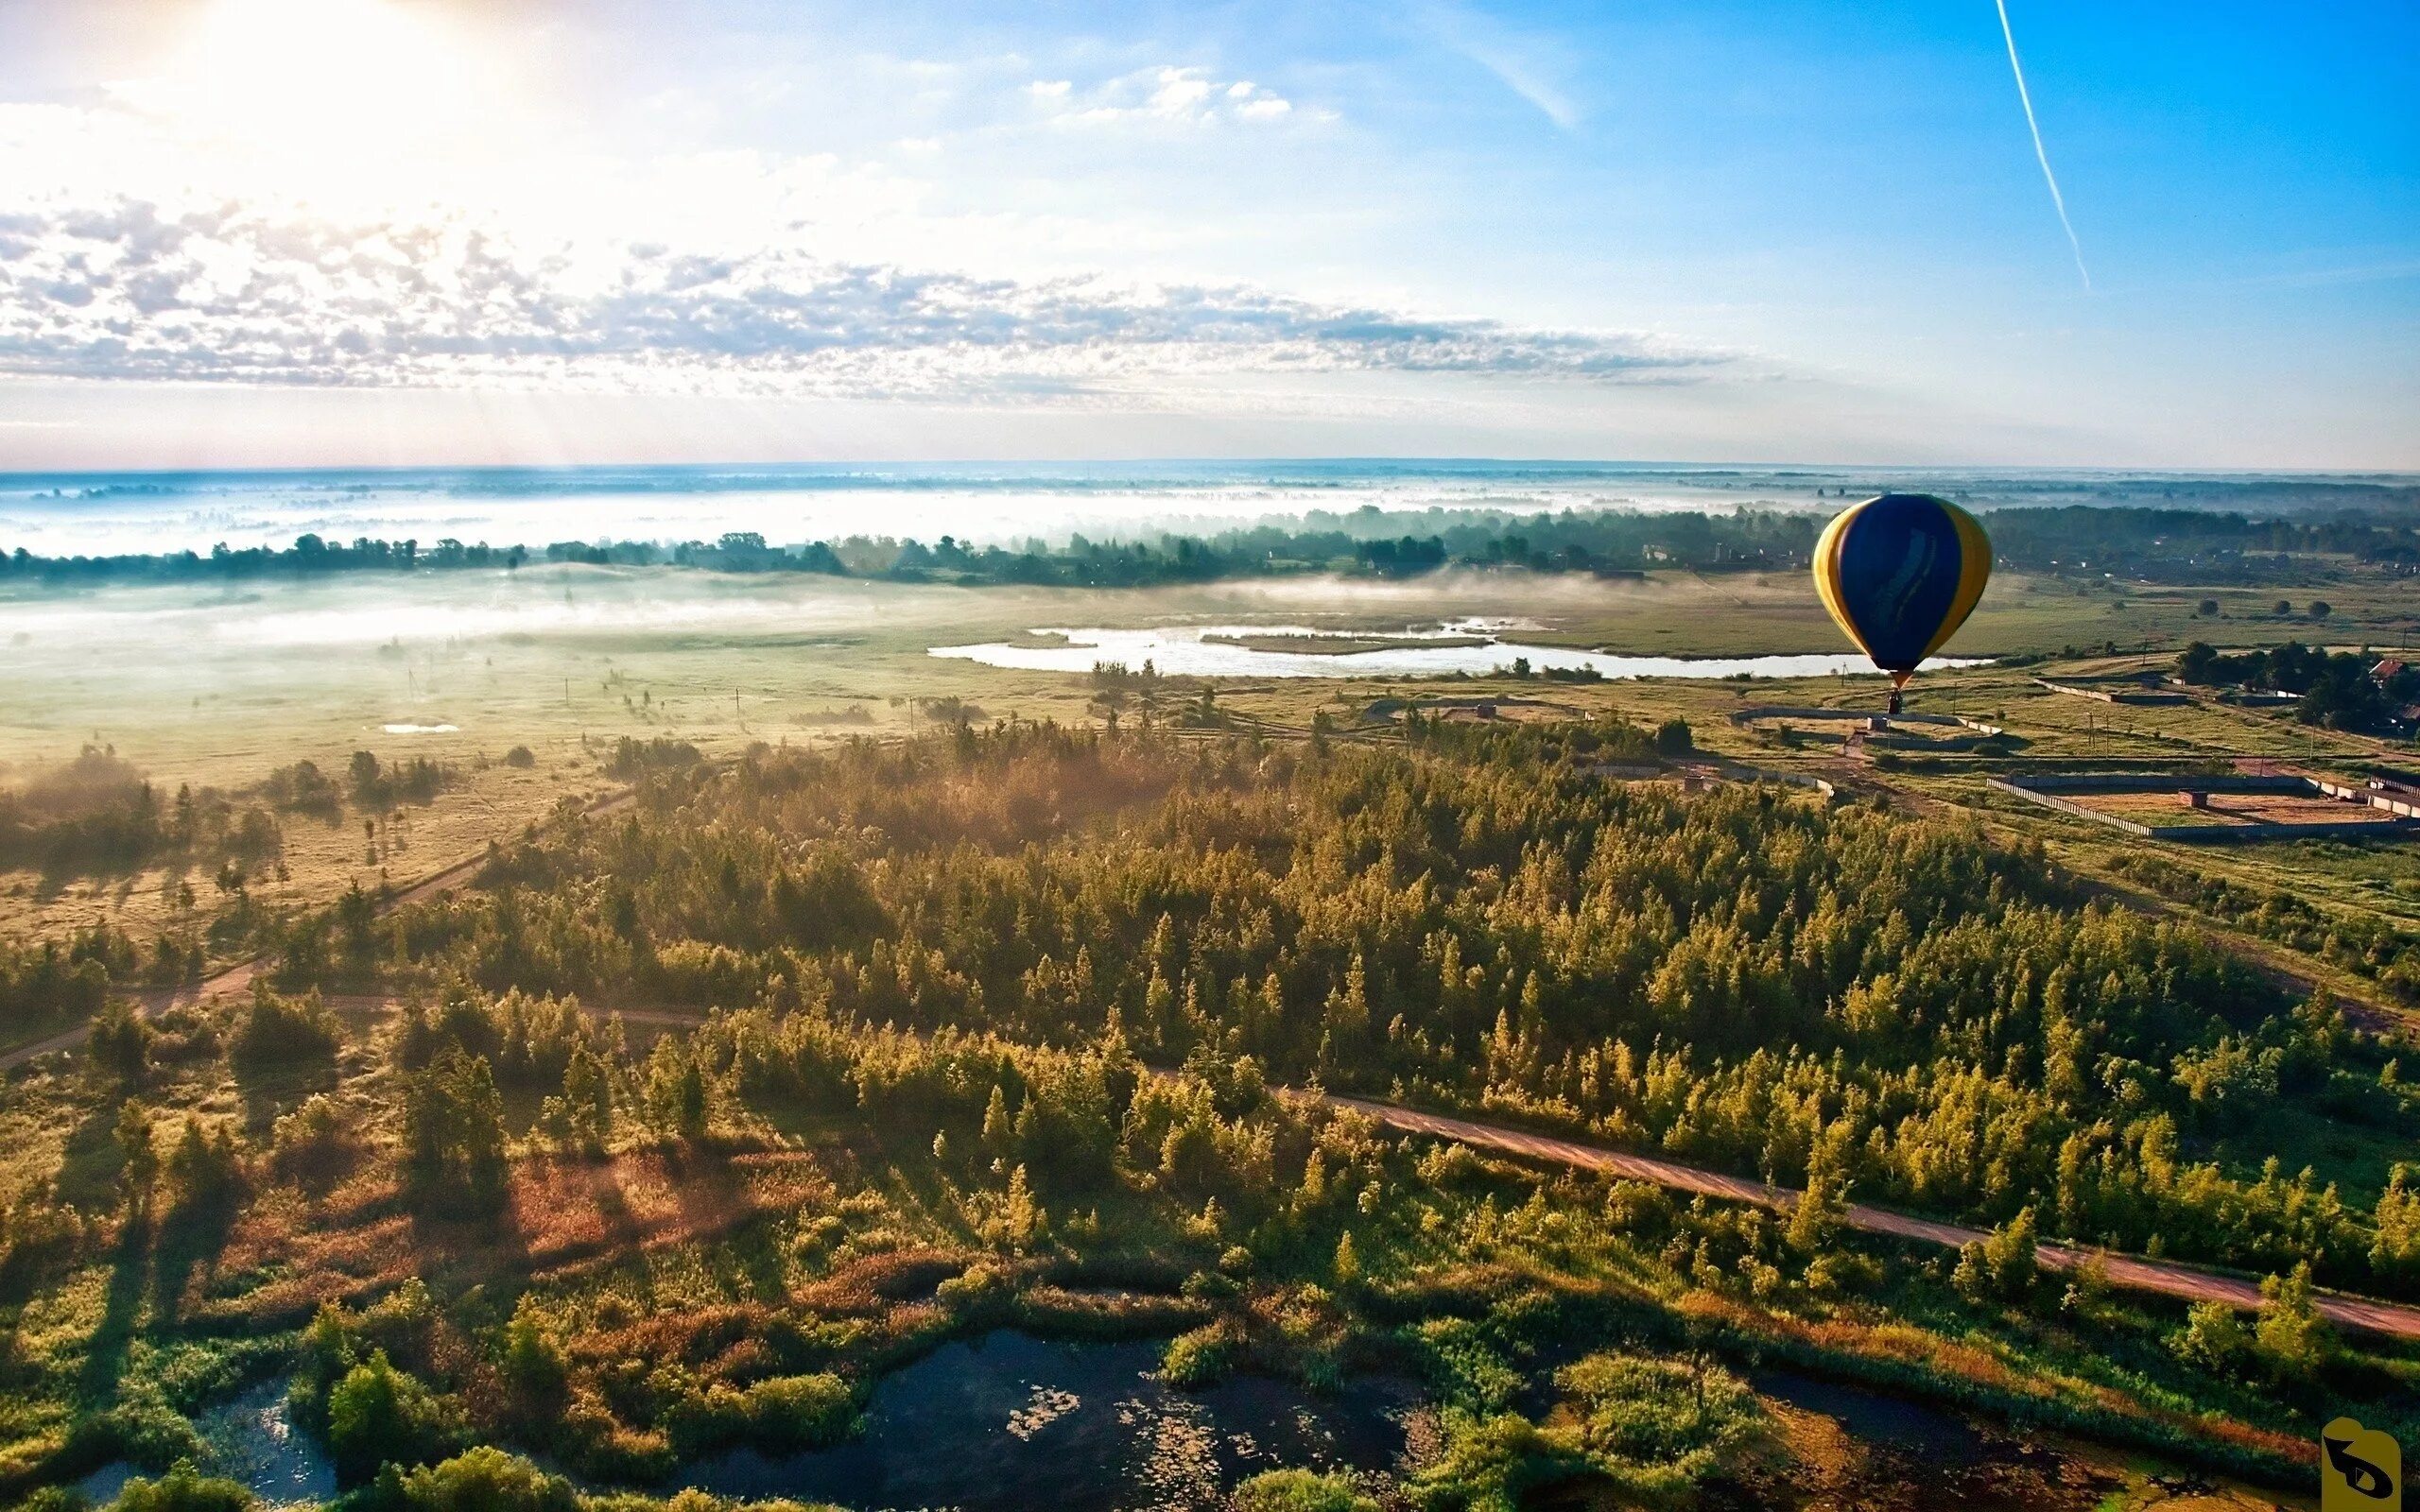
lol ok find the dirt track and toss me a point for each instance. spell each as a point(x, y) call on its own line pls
point(2128, 1271)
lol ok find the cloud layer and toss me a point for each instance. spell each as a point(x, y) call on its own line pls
point(133, 290)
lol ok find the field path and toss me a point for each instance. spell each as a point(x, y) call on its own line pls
point(2130, 1271)
point(234, 981)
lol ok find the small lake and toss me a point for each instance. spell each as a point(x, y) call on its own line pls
point(1210, 651)
point(1010, 1423)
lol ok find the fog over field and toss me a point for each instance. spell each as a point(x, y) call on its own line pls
point(72, 514)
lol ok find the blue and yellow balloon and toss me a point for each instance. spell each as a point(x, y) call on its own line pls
point(1900, 573)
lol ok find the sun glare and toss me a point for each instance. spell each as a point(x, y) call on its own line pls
point(332, 99)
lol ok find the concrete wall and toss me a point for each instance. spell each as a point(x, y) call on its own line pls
point(2039, 790)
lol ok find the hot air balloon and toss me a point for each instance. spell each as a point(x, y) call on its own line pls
point(1900, 573)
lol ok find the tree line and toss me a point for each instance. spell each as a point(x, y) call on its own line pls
point(2180, 545)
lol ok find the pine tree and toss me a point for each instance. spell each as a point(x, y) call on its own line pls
point(998, 1133)
point(1026, 1220)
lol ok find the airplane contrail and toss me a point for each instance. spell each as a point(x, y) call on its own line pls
point(2026, 99)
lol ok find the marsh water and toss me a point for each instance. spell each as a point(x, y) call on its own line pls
point(1213, 651)
point(251, 1438)
point(1012, 1422)
point(1009, 1421)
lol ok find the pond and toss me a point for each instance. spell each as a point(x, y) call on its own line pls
point(1866, 1448)
point(1213, 651)
point(1009, 1421)
point(251, 1439)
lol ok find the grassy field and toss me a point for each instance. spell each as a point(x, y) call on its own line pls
point(220, 688)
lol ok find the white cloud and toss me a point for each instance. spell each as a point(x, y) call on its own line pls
point(133, 290)
point(1166, 94)
point(1524, 65)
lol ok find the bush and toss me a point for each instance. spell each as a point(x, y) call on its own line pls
point(1301, 1491)
point(1491, 1463)
point(1655, 1423)
point(2214, 1338)
point(485, 1479)
point(315, 1145)
point(284, 1031)
point(798, 1412)
point(379, 1416)
point(521, 757)
point(786, 1412)
point(1202, 1356)
point(183, 1489)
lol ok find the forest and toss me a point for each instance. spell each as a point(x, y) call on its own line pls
point(1821, 998)
point(990, 1029)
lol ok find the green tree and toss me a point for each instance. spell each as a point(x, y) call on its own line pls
point(1025, 1220)
point(454, 1139)
point(533, 1370)
point(120, 1043)
point(2293, 1339)
point(2001, 1266)
point(379, 1415)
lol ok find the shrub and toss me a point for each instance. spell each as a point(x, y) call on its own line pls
point(183, 1489)
point(2214, 1338)
point(786, 1412)
point(520, 756)
point(379, 1415)
point(484, 1480)
point(1491, 1463)
point(1655, 1423)
point(1301, 1491)
point(798, 1412)
point(1202, 1356)
point(315, 1144)
point(282, 1031)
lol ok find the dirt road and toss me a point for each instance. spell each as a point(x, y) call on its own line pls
point(2129, 1271)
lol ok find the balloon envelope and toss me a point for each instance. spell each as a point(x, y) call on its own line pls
point(1900, 573)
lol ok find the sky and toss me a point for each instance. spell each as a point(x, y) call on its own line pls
point(270, 232)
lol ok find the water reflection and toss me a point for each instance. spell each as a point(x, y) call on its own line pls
point(1211, 650)
point(1008, 1422)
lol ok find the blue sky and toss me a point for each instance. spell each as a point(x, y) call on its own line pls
point(246, 232)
